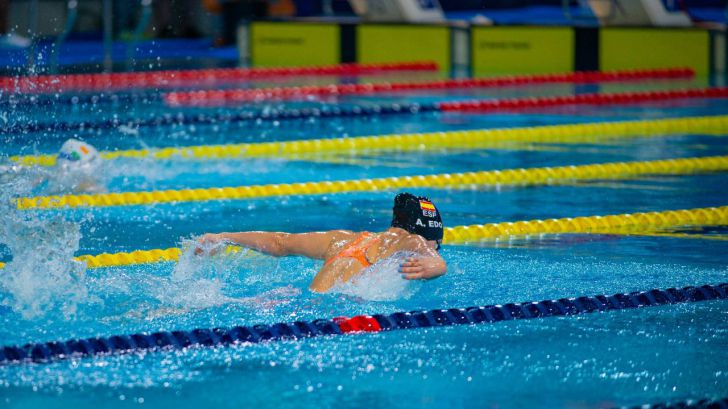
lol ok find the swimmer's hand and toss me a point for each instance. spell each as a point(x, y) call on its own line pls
point(422, 268)
point(208, 241)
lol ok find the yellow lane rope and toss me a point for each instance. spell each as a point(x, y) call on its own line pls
point(123, 259)
point(135, 257)
point(474, 139)
point(530, 176)
point(633, 223)
point(614, 224)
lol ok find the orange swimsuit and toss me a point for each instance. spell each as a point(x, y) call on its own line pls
point(356, 250)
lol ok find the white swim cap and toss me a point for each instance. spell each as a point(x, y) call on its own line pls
point(74, 150)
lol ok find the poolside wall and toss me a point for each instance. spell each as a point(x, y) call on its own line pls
point(484, 50)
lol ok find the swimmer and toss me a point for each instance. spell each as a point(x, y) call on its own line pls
point(416, 227)
point(76, 170)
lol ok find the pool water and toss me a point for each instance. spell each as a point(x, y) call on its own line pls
point(598, 360)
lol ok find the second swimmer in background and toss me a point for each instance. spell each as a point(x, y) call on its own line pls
point(78, 169)
point(416, 228)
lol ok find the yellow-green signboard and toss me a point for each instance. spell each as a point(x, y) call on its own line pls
point(642, 48)
point(403, 43)
point(294, 44)
point(522, 50)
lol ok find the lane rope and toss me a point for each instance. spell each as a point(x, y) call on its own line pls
point(621, 98)
point(522, 176)
point(137, 96)
point(127, 258)
point(471, 106)
point(422, 142)
point(488, 314)
point(227, 96)
point(629, 223)
point(611, 224)
point(177, 78)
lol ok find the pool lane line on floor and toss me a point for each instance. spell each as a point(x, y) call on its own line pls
point(197, 119)
point(467, 180)
point(619, 224)
point(687, 404)
point(288, 331)
point(226, 96)
point(518, 241)
point(210, 76)
point(421, 142)
point(465, 106)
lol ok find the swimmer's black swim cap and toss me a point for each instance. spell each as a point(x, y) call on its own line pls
point(417, 215)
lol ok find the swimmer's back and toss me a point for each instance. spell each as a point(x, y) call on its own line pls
point(340, 266)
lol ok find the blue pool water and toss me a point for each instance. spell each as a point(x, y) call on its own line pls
point(592, 361)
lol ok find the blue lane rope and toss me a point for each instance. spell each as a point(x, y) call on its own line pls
point(174, 340)
point(688, 404)
point(222, 118)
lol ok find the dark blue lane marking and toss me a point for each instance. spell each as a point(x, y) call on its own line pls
point(688, 404)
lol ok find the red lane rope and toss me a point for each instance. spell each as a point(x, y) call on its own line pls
point(222, 97)
point(517, 104)
point(174, 78)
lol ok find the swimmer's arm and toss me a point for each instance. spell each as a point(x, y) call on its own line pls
point(428, 264)
point(312, 245)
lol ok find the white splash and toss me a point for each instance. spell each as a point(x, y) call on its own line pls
point(197, 281)
point(42, 277)
point(200, 281)
point(381, 281)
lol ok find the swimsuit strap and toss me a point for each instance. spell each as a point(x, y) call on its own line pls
point(358, 253)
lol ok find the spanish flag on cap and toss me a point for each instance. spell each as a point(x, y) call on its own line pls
point(425, 205)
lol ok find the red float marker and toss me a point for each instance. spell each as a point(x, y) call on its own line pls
point(230, 96)
point(179, 78)
point(360, 323)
